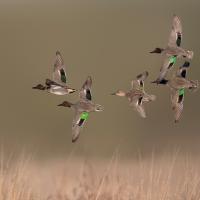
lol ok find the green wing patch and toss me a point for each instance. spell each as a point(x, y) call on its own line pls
point(172, 59)
point(84, 115)
point(63, 76)
point(181, 92)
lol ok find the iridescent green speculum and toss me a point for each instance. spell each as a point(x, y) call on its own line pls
point(63, 76)
point(63, 79)
point(181, 92)
point(84, 115)
point(172, 59)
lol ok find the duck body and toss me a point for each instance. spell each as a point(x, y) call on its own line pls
point(182, 83)
point(173, 49)
point(86, 106)
point(178, 84)
point(82, 108)
point(55, 88)
point(58, 89)
point(179, 52)
point(136, 95)
point(58, 85)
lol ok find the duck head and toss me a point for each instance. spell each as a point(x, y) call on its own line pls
point(157, 50)
point(39, 87)
point(66, 104)
point(162, 81)
point(119, 93)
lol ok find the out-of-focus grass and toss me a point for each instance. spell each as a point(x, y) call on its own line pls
point(166, 177)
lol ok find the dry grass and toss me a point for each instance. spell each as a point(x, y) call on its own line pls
point(166, 177)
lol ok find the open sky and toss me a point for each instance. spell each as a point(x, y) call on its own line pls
point(110, 41)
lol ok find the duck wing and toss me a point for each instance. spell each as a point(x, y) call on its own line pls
point(78, 123)
point(177, 99)
point(139, 82)
point(148, 97)
point(182, 71)
point(59, 71)
point(52, 83)
point(167, 64)
point(85, 92)
point(175, 37)
point(137, 103)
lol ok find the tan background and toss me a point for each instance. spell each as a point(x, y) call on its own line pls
point(108, 40)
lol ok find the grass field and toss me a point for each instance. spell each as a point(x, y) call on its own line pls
point(166, 177)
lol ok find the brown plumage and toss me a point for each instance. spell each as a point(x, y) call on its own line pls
point(136, 95)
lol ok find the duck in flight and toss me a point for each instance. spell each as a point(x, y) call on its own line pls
point(82, 108)
point(58, 84)
point(177, 85)
point(173, 49)
point(136, 95)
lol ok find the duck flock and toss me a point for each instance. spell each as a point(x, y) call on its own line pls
point(136, 96)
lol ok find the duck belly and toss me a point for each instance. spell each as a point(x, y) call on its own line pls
point(174, 51)
point(58, 90)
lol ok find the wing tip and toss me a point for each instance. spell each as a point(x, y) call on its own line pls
point(176, 121)
point(74, 139)
point(144, 74)
point(58, 52)
point(89, 78)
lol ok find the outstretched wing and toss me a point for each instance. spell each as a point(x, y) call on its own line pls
point(78, 123)
point(137, 103)
point(139, 82)
point(85, 92)
point(182, 71)
point(148, 97)
point(175, 37)
point(167, 64)
point(177, 99)
point(59, 72)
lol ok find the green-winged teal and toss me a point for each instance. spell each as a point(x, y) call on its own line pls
point(173, 49)
point(82, 108)
point(58, 84)
point(137, 96)
point(177, 85)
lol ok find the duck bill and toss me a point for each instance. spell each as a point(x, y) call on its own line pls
point(62, 104)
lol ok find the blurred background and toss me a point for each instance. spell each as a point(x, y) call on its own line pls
point(109, 40)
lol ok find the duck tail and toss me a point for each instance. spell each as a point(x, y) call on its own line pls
point(194, 86)
point(157, 50)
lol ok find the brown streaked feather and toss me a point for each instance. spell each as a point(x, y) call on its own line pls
point(59, 72)
point(177, 104)
point(85, 92)
point(137, 103)
point(59, 62)
point(139, 82)
point(176, 34)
